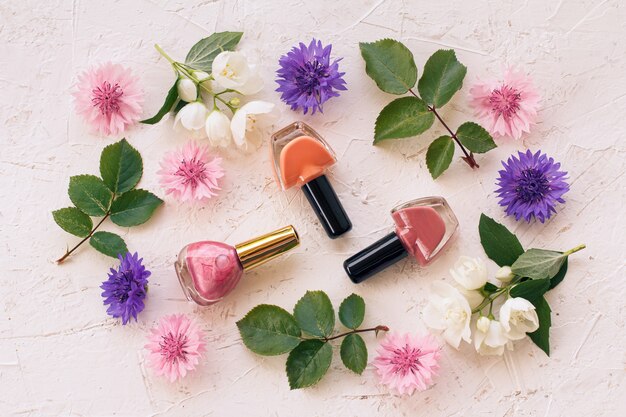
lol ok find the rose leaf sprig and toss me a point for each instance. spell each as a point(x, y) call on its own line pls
point(391, 65)
point(112, 195)
point(270, 330)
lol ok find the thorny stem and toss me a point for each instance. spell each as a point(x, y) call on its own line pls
point(469, 157)
point(371, 329)
point(62, 258)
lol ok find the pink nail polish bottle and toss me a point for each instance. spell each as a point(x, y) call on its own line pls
point(208, 271)
point(423, 229)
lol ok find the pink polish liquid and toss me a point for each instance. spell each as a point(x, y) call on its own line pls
point(421, 230)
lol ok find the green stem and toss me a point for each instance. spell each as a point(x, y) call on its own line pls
point(371, 329)
point(62, 258)
point(574, 250)
point(164, 54)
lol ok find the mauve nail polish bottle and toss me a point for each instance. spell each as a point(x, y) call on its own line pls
point(208, 271)
point(423, 229)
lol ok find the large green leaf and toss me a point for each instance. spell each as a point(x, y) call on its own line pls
point(202, 54)
point(402, 118)
point(541, 337)
point(439, 155)
point(73, 221)
point(539, 263)
point(269, 330)
point(354, 353)
point(530, 289)
point(90, 194)
point(500, 245)
point(475, 138)
point(352, 311)
point(390, 64)
point(170, 99)
point(108, 243)
point(134, 207)
point(121, 166)
point(556, 280)
point(443, 76)
point(314, 314)
point(308, 363)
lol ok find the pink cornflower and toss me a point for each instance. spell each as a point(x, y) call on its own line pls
point(175, 346)
point(190, 173)
point(108, 97)
point(508, 107)
point(407, 362)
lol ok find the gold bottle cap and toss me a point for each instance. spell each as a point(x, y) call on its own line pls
point(259, 250)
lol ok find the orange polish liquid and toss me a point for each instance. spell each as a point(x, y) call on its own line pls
point(302, 160)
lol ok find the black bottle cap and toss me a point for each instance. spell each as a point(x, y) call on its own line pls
point(327, 206)
point(375, 258)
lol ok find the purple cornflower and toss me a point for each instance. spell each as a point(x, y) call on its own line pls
point(126, 287)
point(531, 186)
point(307, 78)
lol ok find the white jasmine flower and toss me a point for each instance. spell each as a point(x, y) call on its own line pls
point(192, 116)
point(505, 274)
point(231, 70)
point(449, 312)
point(489, 338)
point(218, 129)
point(187, 90)
point(249, 123)
point(470, 273)
point(518, 317)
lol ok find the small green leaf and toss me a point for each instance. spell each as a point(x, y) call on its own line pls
point(314, 314)
point(134, 207)
point(352, 311)
point(73, 221)
point(402, 118)
point(170, 99)
point(475, 138)
point(121, 167)
point(269, 330)
point(489, 288)
point(202, 54)
point(443, 76)
point(108, 243)
point(541, 337)
point(439, 155)
point(390, 64)
point(530, 289)
point(90, 194)
point(538, 263)
point(308, 363)
point(500, 245)
point(354, 353)
point(556, 280)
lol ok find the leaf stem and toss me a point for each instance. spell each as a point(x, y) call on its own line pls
point(164, 54)
point(574, 250)
point(376, 329)
point(469, 157)
point(62, 258)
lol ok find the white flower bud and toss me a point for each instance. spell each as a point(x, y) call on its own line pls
point(505, 274)
point(187, 90)
point(483, 324)
point(218, 129)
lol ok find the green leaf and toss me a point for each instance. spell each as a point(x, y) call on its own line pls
point(475, 138)
point(73, 221)
point(500, 245)
point(90, 194)
point(354, 353)
point(269, 330)
point(202, 54)
point(556, 280)
point(390, 64)
point(489, 288)
point(308, 363)
point(352, 311)
point(121, 166)
point(538, 263)
point(541, 337)
point(314, 314)
point(170, 99)
point(108, 243)
point(443, 76)
point(530, 289)
point(134, 207)
point(439, 155)
point(402, 118)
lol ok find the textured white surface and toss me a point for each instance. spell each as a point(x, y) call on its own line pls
point(61, 355)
